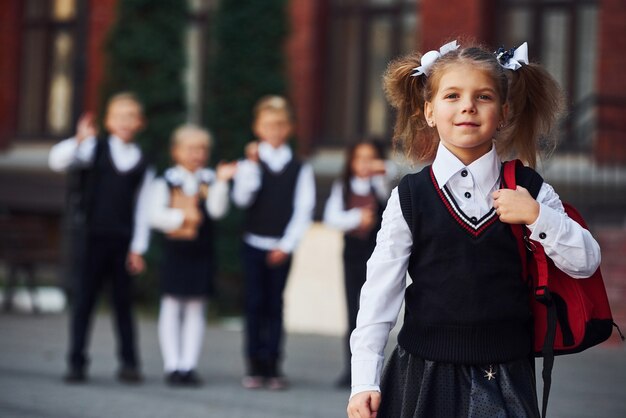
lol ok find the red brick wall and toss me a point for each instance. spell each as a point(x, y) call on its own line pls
point(101, 16)
point(455, 19)
point(10, 24)
point(305, 67)
point(611, 142)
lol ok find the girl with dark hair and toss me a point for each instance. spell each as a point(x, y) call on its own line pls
point(355, 207)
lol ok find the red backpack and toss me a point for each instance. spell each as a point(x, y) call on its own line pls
point(570, 315)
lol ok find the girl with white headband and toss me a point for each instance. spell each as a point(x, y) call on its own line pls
point(464, 349)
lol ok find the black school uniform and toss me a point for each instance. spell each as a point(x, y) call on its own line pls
point(108, 201)
point(465, 345)
point(188, 266)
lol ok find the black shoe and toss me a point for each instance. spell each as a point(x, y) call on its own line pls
point(75, 375)
point(191, 378)
point(173, 378)
point(128, 374)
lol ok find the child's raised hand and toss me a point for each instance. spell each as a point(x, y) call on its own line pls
point(226, 171)
point(252, 151)
point(377, 167)
point(364, 405)
point(515, 206)
point(85, 127)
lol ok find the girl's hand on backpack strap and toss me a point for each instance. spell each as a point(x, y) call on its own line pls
point(515, 206)
point(364, 405)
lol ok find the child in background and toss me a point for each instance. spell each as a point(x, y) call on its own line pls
point(115, 179)
point(465, 346)
point(355, 207)
point(278, 192)
point(185, 201)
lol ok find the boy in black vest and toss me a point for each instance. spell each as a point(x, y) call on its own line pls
point(278, 191)
point(114, 183)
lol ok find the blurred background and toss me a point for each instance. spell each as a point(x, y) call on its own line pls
point(207, 61)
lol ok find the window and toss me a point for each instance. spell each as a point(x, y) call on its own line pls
point(562, 35)
point(48, 68)
point(364, 36)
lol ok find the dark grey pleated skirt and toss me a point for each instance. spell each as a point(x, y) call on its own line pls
point(415, 388)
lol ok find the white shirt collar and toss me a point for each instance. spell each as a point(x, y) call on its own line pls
point(120, 144)
point(485, 171)
point(275, 158)
point(361, 186)
point(179, 175)
point(125, 155)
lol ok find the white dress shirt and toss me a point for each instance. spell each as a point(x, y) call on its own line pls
point(247, 182)
point(337, 216)
point(165, 218)
point(125, 157)
point(571, 247)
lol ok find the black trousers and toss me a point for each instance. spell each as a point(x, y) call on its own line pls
point(264, 286)
point(104, 260)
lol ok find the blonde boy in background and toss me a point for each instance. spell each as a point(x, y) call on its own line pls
point(278, 192)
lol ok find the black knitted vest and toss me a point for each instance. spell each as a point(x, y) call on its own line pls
point(467, 302)
point(112, 195)
point(272, 208)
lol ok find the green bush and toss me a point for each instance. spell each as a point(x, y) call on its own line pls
point(145, 54)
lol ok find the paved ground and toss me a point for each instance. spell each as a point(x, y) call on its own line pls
point(591, 384)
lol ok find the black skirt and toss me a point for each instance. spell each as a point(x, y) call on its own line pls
point(187, 275)
point(417, 388)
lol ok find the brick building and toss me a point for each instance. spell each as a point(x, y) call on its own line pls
point(51, 61)
point(51, 64)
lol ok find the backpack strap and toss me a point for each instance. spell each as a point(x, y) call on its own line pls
point(541, 291)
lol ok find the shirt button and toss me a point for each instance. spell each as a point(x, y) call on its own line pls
point(542, 235)
point(464, 173)
point(474, 220)
point(468, 194)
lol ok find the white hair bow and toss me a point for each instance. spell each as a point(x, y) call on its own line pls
point(514, 57)
point(429, 58)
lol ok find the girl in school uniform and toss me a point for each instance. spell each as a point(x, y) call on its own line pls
point(185, 202)
point(355, 207)
point(464, 349)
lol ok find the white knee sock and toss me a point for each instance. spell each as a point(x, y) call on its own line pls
point(169, 332)
point(192, 333)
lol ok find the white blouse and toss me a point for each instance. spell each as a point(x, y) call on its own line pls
point(125, 157)
point(337, 216)
point(247, 182)
point(572, 248)
point(165, 218)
